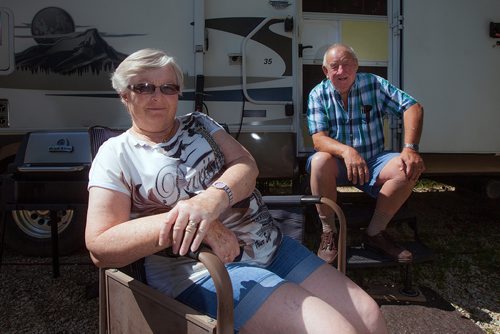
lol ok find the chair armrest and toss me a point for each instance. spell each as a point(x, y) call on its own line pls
point(224, 288)
point(342, 233)
point(222, 283)
point(298, 200)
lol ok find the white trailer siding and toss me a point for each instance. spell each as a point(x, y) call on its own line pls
point(452, 66)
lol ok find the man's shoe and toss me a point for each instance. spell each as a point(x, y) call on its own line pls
point(383, 243)
point(328, 247)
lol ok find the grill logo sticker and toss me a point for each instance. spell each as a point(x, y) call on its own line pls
point(63, 145)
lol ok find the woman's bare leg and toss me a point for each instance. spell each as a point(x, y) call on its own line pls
point(326, 302)
point(347, 298)
point(292, 309)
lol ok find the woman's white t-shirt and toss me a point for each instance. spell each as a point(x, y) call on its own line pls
point(156, 177)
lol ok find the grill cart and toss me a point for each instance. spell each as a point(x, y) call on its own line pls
point(44, 195)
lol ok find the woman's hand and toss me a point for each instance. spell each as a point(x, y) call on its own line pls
point(188, 223)
point(220, 239)
point(223, 242)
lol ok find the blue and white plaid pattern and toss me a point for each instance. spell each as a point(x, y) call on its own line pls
point(370, 99)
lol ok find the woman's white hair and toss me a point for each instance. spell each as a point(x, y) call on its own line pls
point(137, 62)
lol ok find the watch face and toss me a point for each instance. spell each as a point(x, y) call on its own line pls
point(222, 186)
point(219, 185)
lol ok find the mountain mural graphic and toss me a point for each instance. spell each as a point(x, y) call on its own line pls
point(78, 52)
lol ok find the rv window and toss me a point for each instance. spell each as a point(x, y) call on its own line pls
point(372, 7)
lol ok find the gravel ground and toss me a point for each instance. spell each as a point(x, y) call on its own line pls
point(461, 284)
point(32, 301)
point(462, 227)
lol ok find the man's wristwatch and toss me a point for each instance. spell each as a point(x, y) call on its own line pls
point(412, 146)
point(222, 186)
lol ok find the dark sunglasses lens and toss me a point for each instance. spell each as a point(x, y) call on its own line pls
point(169, 89)
point(144, 88)
point(147, 88)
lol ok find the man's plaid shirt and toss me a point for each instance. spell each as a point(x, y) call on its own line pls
point(361, 124)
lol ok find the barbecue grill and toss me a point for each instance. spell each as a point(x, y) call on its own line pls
point(47, 183)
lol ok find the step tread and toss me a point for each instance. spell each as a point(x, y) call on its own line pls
point(359, 257)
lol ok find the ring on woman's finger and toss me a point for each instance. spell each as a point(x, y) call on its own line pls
point(192, 223)
point(191, 229)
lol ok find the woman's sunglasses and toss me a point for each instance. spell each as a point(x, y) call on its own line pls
point(148, 88)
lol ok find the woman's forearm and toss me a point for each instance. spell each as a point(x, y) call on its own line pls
point(127, 242)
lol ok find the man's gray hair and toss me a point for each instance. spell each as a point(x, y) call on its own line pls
point(347, 48)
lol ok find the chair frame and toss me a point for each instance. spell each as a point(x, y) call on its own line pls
point(127, 305)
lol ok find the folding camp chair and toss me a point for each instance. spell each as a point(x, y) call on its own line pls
point(128, 305)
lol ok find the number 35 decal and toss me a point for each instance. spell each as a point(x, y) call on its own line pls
point(268, 61)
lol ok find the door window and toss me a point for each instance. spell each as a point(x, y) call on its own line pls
point(363, 7)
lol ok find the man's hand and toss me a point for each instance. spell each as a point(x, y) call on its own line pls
point(413, 165)
point(357, 170)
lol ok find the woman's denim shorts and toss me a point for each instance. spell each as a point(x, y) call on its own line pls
point(252, 284)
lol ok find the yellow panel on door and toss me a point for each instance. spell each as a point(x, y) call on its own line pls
point(368, 38)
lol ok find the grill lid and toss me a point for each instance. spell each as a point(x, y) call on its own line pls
point(57, 148)
point(56, 152)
